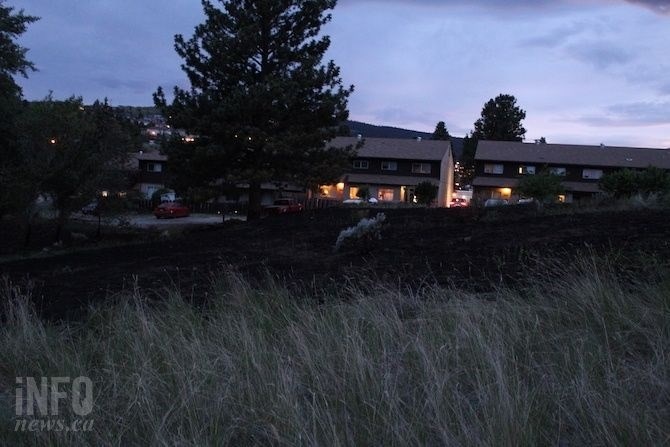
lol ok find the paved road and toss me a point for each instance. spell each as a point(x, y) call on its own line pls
point(148, 220)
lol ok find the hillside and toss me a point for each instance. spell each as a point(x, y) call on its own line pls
point(374, 131)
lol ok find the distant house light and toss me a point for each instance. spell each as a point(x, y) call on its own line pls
point(52, 141)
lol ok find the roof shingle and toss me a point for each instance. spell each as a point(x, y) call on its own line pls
point(606, 156)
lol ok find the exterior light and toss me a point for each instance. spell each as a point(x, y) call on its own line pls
point(104, 193)
point(52, 141)
point(506, 192)
point(340, 186)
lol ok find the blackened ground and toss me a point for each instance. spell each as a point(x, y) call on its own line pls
point(475, 249)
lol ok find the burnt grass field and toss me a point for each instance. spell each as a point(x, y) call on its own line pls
point(473, 249)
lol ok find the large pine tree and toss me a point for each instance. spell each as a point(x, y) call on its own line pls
point(261, 100)
point(501, 120)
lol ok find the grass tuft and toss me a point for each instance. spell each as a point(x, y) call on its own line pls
point(579, 357)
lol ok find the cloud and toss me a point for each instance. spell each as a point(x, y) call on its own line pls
point(659, 6)
point(632, 114)
point(601, 55)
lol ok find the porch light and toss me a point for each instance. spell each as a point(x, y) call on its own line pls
point(104, 193)
point(506, 192)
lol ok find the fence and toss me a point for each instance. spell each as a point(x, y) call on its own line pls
point(316, 203)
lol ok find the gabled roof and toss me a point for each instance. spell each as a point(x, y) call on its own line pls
point(567, 154)
point(396, 148)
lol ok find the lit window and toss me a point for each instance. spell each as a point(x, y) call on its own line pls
point(420, 168)
point(353, 192)
point(557, 171)
point(592, 174)
point(389, 166)
point(493, 168)
point(385, 194)
point(361, 164)
point(527, 170)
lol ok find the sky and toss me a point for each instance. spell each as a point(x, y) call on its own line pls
point(585, 71)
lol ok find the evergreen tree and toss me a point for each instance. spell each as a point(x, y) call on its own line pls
point(467, 161)
point(501, 120)
point(441, 132)
point(15, 193)
point(261, 100)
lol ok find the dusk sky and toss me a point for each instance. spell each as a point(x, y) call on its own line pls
point(585, 71)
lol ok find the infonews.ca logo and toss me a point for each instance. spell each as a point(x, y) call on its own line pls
point(42, 404)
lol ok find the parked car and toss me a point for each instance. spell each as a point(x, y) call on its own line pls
point(171, 209)
point(458, 202)
point(495, 202)
point(285, 206)
point(523, 200)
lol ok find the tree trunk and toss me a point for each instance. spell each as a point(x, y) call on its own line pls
point(28, 225)
point(60, 223)
point(254, 210)
point(98, 233)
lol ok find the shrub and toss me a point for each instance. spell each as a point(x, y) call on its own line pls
point(543, 187)
point(363, 193)
point(627, 182)
point(425, 192)
point(365, 231)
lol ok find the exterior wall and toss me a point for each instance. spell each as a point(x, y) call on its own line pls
point(149, 188)
point(145, 176)
point(446, 188)
point(441, 173)
point(573, 173)
point(404, 168)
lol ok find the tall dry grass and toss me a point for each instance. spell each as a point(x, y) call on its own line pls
point(579, 357)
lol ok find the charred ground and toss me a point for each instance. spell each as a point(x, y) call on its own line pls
point(470, 248)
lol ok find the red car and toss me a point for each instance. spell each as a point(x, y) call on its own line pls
point(285, 206)
point(171, 209)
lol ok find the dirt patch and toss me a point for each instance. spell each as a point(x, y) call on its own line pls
point(465, 247)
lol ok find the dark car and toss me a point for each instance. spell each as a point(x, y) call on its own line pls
point(171, 209)
point(285, 206)
point(490, 203)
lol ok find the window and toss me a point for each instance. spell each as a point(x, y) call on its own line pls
point(526, 170)
point(490, 168)
point(557, 171)
point(420, 168)
point(361, 164)
point(353, 192)
point(154, 167)
point(389, 166)
point(592, 174)
point(385, 194)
